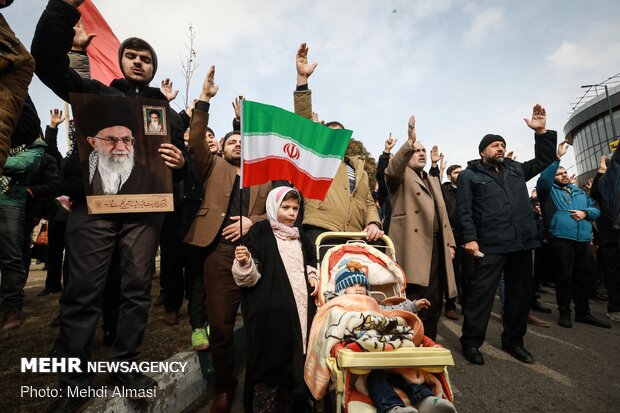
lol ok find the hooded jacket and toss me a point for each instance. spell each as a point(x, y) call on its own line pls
point(52, 40)
point(495, 210)
point(556, 203)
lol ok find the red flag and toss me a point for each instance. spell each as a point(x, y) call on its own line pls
point(103, 50)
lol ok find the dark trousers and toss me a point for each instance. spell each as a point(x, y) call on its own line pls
point(381, 390)
point(223, 298)
point(197, 302)
point(572, 262)
point(172, 263)
point(13, 275)
point(609, 259)
point(433, 292)
point(480, 295)
point(55, 248)
point(92, 241)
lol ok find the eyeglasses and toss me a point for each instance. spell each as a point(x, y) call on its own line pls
point(113, 141)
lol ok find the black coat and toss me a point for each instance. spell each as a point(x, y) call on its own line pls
point(52, 41)
point(383, 194)
point(44, 186)
point(274, 343)
point(495, 210)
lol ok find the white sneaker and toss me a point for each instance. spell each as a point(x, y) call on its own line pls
point(614, 316)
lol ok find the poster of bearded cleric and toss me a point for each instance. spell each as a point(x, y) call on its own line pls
point(118, 140)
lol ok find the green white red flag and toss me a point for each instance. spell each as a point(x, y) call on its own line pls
point(277, 144)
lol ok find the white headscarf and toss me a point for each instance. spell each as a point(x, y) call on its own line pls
point(274, 200)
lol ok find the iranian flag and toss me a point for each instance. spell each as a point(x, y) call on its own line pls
point(277, 144)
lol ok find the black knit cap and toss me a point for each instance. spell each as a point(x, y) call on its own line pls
point(489, 139)
point(105, 112)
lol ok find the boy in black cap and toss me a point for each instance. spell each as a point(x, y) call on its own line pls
point(93, 239)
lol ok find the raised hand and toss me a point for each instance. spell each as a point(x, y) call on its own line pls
point(602, 164)
point(209, 88)
point(511, 155)
point(166, 89)
point(389, 143)
point(317, 119)
point(442, 163)
point(562, 148)
point(304, 69)
point(190, 108)
point(237, 107)
point(573, 179)
point(434, 155)
point(56, 118)
point(411, 130)
point(81, 39)
point(539, 120)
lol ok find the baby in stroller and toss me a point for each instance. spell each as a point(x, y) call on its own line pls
point(352, 336)
point(381, 383)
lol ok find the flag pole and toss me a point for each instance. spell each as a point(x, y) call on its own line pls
point(241, 176)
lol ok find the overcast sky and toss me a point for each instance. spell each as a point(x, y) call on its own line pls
point(463, 67)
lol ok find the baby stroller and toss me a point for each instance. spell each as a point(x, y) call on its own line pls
point(330, 363)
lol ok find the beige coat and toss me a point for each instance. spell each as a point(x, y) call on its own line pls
point(411, 228)
point(341, 210)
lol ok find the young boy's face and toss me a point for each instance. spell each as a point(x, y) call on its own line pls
point(356, 289)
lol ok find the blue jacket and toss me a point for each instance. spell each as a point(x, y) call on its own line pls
point(556, 202)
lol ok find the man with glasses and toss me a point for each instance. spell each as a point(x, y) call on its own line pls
point(112, 166)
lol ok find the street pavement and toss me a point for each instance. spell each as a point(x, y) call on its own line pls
point(576, 370)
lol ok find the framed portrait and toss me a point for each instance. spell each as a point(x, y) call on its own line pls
point(155, 122)
point(121, 167)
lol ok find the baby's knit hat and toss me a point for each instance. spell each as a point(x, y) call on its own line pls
point(347, 278)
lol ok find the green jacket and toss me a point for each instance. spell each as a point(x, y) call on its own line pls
point(20, 165)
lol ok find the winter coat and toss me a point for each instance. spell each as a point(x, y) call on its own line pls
point(218, 179)
point(609, 185)
point(19, 166)
point(414, 206)
point(555, 203)
point(275, 352)
point(341, 210)
point(495, 210)
point(43, 187)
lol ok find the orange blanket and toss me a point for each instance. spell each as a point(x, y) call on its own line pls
point(329, 328)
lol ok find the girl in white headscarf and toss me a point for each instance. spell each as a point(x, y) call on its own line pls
point(277, 283)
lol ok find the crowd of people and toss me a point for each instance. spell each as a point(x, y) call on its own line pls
point(223, 248)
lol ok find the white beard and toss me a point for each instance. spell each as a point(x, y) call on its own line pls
point(114, 171)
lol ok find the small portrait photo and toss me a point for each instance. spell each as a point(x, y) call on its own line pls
point(154, 120)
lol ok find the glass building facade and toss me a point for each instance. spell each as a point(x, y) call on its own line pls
point(589, 131)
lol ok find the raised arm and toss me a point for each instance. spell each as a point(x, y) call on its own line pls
point(54, 37)
point(544, 147)
point(302, 95)
point(198, 147)
point(545, 181)
point(395, 172)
